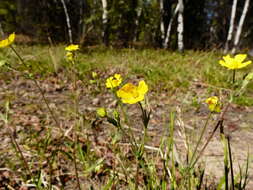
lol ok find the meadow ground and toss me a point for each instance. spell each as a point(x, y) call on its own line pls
point(178, 87)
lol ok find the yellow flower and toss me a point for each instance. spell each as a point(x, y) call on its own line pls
point(113, 81)
point(69, 56)
point(213, 104)
point(101, 112)
point(131, 94)
point(8, 41)
point(234, 62)
point(72, 47)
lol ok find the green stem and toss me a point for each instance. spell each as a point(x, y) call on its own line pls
point(76, 110)
point(136, 176)
point(200, 138)
point(75, 164)
point(231, 163)
point(18, 149)
point(233, 76)
point(207, 142)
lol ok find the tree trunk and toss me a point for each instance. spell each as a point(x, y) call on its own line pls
point(81, 23)
point(105, 34)
point(162, 27)
point(167, 36)
point(239, 29)
point(1, 30)
point(180, 28)
point(137, 20)
point(67, 21)
point(231, 26)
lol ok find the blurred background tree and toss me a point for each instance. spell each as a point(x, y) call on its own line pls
point(130, 22)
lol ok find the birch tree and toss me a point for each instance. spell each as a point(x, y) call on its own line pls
point(162, 26)
point(239, 29)
point(67, 21)
point(231, 26)
point(105, 22)
point(180, 28)
point(137, 20)
point(167, 36)
point(81, 23)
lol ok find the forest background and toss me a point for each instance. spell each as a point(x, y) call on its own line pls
point(196, 24)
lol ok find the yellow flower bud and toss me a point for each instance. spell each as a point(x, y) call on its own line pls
point(101, 112)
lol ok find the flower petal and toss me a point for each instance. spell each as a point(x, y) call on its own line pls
point(223, 63)
point(72, 47)
point(227, 58)
point(240, 57)
point(131, 94)
point(142, 87)
point(244, 64)
point(8, 41)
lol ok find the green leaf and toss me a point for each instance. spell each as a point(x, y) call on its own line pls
point(2, 63)
point(109, 184)
point(3, 12)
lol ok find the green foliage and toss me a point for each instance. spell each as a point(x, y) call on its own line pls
point(8, 15)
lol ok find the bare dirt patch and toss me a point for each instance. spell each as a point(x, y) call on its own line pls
point(29, 117)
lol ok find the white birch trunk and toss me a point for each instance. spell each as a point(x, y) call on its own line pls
point(162, 27)
point(67, 21)
point(137, 20)
point(231, 26)
point(180, 28)
point(104, 17)
point(167, 36)
point(239, 29)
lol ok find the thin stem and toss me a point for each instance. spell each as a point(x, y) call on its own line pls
point(17, 147)
point(220, 123)
point(39, 88)
point(226, 168)
point(76, 110)
point(50, 175)
point(201, 136)
point(14, 142)
point(231, 163)
point(207, 142)
point(75, 164)
point(136, 175)
point(233, 76)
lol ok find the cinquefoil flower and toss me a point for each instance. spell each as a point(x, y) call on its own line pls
point(234, 62)
point(72, 47)
point(131, 94)
point(113, 81)
point(213, 104)
point(8, 41)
